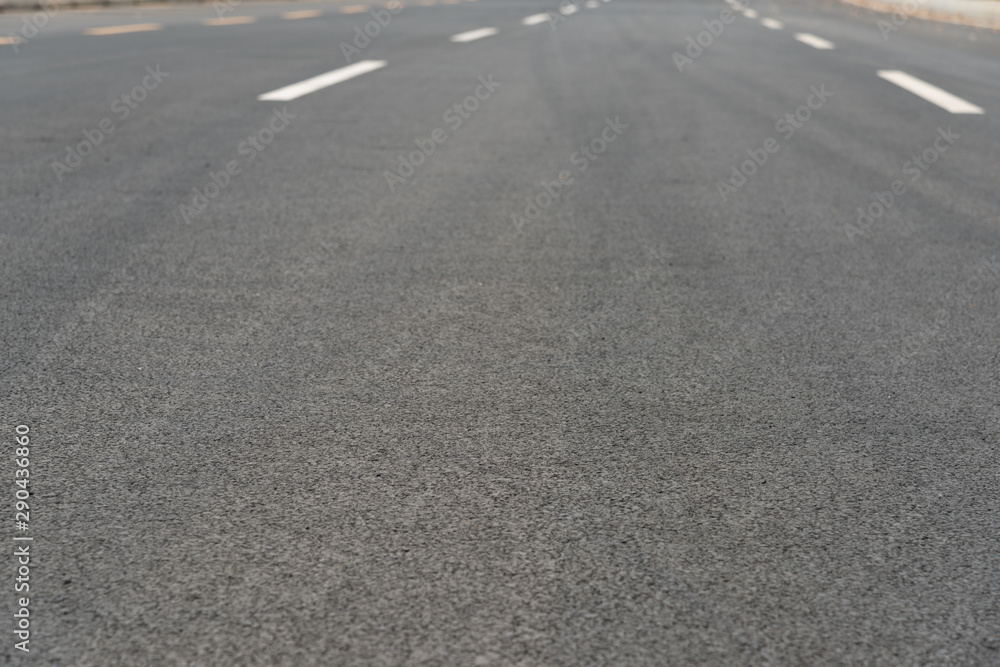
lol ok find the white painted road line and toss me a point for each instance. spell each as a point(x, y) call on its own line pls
point(10, 40)
point(302, 14)
point(566, 10)
point(592, 4)
point(121, 29)
point(534, 19)
point(230, 20)
point(813, 41)
point(750, 13)
point(296, 90)
point(931, 93)
point(353, 9)
point(473, 35)
point(772, 24)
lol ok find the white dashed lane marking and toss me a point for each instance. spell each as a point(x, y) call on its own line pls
point(534, 19)
point(814, 41)
point(301, 88)
point(473, 35)
point(929, 92)
point(772, 24)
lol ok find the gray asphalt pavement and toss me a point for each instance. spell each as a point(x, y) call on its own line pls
point(566, 345)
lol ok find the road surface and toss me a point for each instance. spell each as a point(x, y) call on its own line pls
point(568, 341)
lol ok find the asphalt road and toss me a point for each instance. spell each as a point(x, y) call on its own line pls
point(335, 408)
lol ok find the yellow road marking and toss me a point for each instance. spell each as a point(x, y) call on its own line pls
point(302, 14)
point(230, 20)
point(119, 29)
